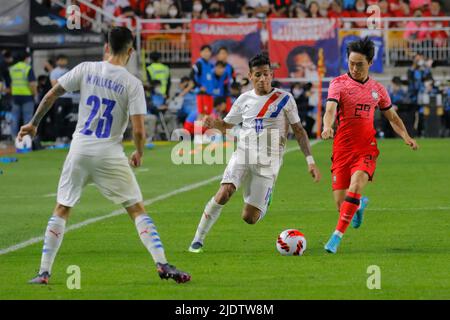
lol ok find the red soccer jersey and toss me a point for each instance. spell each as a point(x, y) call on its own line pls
point(355, 112)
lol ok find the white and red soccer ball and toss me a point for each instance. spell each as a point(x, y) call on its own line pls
point(291, 242)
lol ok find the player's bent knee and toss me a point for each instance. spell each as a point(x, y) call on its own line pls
point(225, 193)
point(135, 210)
point(251, 214)
point(62, 211)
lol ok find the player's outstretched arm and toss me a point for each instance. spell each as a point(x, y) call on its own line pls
point(399, 128)
point(303, 141)
point(328, 120)
point(45, 105)
point(137, 122)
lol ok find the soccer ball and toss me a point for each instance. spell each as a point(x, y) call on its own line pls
point(291, 242)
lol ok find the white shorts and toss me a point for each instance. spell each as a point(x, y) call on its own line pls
point(113, 176)
point(257, 181)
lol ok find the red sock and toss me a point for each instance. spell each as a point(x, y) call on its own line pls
point(348, 210)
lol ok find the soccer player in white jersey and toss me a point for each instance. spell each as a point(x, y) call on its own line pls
point(265, 113)
point(110, 96)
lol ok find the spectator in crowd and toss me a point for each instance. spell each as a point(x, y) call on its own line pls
point(398, 95)
point(360, 12)
point(173, 13)
point(235, 91)
point(399, 10)
point(233, 8)
point(220, 107)
point(159, 71)
point(198, 11)
point(216, 11)
point(202, 75)
point(189, 103)
point(185, 7)
point(248, 12)
point(298, 11)
point(301, 94)
point(229, 75)
point(23, 91)
point(419, 70)
point(158, 110)
point(440, 37)
point(63, 105)
point(313, 10)
point(400, 100)
point(418, 4)
point(221, 81)
point(416, 30)
point(417, 73)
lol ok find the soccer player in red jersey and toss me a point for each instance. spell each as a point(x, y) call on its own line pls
point(352, 100)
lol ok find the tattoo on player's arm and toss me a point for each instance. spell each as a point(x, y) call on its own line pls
point(47, 103)
point(302, 138)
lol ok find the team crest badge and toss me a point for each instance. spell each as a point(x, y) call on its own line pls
point(375, 95)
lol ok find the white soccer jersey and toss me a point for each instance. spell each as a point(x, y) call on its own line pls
point(109, 95)
point(263, 116)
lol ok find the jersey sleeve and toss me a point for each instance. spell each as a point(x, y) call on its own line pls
point(235, 114)
point(334, 91)
point(385, 100)
point(71, 81)
point(291, 111)
point(136, 100)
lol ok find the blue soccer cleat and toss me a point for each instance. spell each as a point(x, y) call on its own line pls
point(196, 247)
point(358, 218)
point(333, 244)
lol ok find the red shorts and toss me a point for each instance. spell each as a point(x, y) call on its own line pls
point(205, 103)
point(345, 163)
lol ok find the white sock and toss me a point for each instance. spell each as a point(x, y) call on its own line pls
point(209, 217)
point(338, 233)
point(53, 237)
point(150, 238)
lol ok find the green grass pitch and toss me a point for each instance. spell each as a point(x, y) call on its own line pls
point(405, 232)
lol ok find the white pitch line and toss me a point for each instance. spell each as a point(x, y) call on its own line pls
point(50, 195)
point(117, 212)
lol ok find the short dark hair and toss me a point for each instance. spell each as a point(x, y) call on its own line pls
point(61, 56)
point(221, 64)
point(310, 51)
point(119, 39)
point(155, 56)
point(219, 100)
point(184, 79)
point(364, 46)
point(261, 59)
point(222, 48)
point(206, 46)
